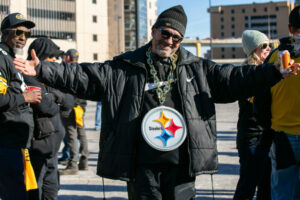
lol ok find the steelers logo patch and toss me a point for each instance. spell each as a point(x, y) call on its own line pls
point(163, 128)
point(20, 16)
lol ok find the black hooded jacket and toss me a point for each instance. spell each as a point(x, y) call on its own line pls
point(119, 84)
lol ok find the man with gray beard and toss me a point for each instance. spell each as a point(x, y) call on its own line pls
point(163, 86)
point(16, 124)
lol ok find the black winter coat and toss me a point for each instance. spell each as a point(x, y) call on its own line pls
point(48, 129)
point(119, 84)
point(16, 120)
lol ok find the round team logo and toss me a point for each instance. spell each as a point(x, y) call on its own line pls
point(163, 128)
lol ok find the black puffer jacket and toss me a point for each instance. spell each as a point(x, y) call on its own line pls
point(119, 84)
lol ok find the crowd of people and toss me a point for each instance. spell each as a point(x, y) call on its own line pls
point(158, 127)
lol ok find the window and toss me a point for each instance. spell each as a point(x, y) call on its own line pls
point(94, 1)
point(95, 38)
point(232, 19)
point(232, 26)
point(233, 55)
point(222, 19)
point(222, 49)
point(222, 12)
point(233, 48)
point(222, 34)
point(94, 18)
point(232, 11)
point(243, 10)
point(223, 56)
point(266, 9)
point(233, 34)
point(254, 9)
point(277, 8)
point(95, 56)
point(222, 27)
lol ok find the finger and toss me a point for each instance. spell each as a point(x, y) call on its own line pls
point(296, 64)
point(19, 62)
point(33, 54)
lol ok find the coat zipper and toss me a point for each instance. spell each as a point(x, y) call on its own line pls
point(183, 112)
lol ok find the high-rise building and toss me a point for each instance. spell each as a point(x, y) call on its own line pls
point(98, 29)
point(229, 22)
point(139, 15)
point(152, 15)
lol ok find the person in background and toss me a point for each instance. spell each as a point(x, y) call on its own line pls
point(279, 114)
point(158, 127)
point(48, 130)
point(255, 167)
point(75, 129)
point(98, 116)
point(16, 124)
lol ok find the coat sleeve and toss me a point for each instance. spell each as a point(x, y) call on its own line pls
point(229, 83)
point(85, 80)
point(9, 97)
point(47, 107)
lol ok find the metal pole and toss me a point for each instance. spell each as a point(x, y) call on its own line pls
point(136, 23)
point(119, 40)
point(211, 50)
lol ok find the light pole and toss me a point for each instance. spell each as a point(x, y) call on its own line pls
point(119, 40)
point(211, 50)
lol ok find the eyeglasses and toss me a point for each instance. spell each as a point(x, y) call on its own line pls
point(166, 35)
point(266, 45)
point(19, 32)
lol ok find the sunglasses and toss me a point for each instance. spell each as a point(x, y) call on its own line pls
point(19, 33)
point(266, 45)
point(166, 35)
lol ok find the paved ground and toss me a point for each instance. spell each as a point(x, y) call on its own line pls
point(88, 186)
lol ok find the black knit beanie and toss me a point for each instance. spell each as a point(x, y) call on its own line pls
point(173, 17)
point(294, 18)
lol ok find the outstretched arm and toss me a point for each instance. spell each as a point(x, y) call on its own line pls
point(27, 67)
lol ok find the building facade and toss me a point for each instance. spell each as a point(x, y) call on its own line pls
point(229, 22)
point(152, 16)
point(98, 29)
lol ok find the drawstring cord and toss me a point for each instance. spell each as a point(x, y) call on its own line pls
point(212, 186)
point(103, 189)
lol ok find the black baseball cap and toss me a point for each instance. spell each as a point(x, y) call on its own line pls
point(294, 17)
point(14, 20)
point(73, 53)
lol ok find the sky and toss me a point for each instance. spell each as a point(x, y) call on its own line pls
point(198, 24)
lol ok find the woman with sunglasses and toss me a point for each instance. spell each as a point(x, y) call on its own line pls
point(253, 160)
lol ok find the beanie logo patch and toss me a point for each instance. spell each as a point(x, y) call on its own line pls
point(168, 24)
point(20, 16)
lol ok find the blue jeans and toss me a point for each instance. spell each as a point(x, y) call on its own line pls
point(65, 151)
point(285, 177)
point(98, 116)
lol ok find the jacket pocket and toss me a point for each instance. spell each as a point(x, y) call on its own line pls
point(44, 128)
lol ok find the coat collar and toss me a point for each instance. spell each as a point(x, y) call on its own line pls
point(138, 56)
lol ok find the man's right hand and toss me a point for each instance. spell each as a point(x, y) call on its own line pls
point(27, 67)
point(32, 96)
